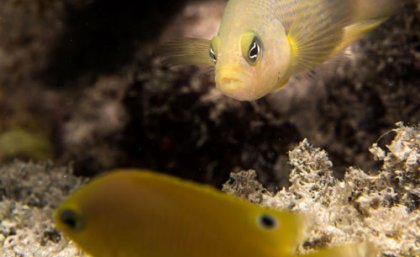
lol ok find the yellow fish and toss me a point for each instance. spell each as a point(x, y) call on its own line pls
point(132, 213)
point(261, 43)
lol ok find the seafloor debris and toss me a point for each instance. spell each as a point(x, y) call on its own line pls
point(28, 194)
point(382, 207)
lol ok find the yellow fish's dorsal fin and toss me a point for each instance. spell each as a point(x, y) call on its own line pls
point(286, 10)
point(186, 51)
point(365, 249)
point(354, 32)
point(316, 31)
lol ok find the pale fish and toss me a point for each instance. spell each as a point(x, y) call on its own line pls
point(262, 43)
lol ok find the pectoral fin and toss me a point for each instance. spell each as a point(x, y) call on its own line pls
point(186, 51)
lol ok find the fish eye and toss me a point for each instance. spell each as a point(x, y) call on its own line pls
point(267, 221)
point(214, 44)
point(254, 50)
point(212, 55)
point(251, 47)
point(71, 219)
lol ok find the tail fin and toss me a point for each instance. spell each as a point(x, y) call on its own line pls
point(375, 9)
point(358, 250)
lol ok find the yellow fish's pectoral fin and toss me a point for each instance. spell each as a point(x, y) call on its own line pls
point(316, 31)
point(355, 31)
point(186, 51)
point(366, 249)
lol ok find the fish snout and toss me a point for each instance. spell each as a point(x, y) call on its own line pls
point(233, 83)
point(229, 75)
point(228, 80)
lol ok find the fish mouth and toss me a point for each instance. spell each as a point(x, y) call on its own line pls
point(233, 82)
point(228, 80)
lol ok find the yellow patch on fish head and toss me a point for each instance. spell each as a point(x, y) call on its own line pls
point(251, 64)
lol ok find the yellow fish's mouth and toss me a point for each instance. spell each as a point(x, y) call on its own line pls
point(235, 83)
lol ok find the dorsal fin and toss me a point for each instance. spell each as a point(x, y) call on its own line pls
point(317, 30)
point(286, 11)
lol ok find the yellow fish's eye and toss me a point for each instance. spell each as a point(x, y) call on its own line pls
point(267, 221)
point(213, 49)
point(71, 219)
point(251, 47)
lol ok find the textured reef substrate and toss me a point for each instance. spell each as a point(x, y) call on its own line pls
point(380, 206)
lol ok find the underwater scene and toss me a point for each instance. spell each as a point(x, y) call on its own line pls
point(210, 128)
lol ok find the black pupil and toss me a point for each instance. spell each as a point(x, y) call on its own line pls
point(267, 221)
point(253, 51)
point(69, 218)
